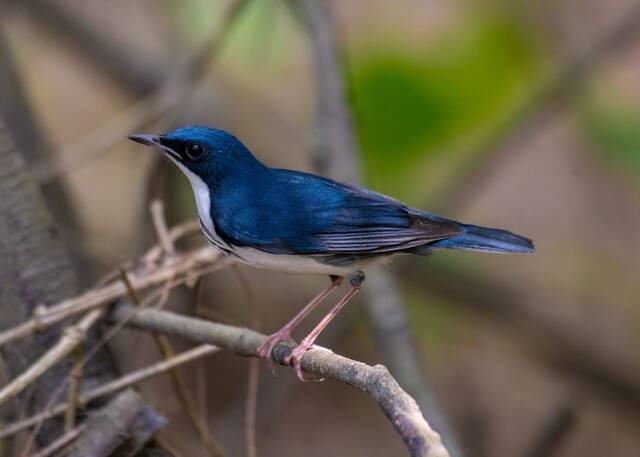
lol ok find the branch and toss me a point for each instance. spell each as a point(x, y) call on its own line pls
point(401, 410)
point(113, 386)
point(189, 265)
point(61, 442)
point(71, 338)
point(110, 427)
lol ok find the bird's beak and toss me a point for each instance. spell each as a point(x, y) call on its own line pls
point(147, 140)
point(154, 140)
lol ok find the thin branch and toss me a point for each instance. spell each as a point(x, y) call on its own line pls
point(116, 385)
point(166, 349)
point(187, 265)
point(253, 376)
point(61, 442)
point(160, 226)
point(401, 410)
point(70, 339)
point(251, 408)
point(109, 428)
point(74, 384)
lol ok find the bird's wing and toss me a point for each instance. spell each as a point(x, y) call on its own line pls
point(306, 214)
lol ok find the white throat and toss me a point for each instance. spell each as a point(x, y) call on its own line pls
point(201, 194)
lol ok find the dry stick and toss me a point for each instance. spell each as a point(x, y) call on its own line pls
point(148, 109)
point(61, 442)
point(94, 350)
point(74, 383)
point(401, 410)
point(195, 414)
point(180, 387)
point(253, 378)
point(160, 226)
point(110, 427)
point(113, 386)
point(70, 339)
point(251, 408)
point(182, 265)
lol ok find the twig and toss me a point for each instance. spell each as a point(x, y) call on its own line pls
point(147, 110)
point(192, 263)
point(150, 417)
point(74, 384)
point(113, 386)
point(401, 410)
point(253, 377)
point(180, 387)
point(251, 408)
point(61, 442)
point(71, 338)
point(109, 427)
point(160, 226)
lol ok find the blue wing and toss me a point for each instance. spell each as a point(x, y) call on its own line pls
point(290, 212)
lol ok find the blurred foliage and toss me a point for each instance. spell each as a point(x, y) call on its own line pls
point(415, 106)
point(437, 321)
point(614, 128)
point(265, 31)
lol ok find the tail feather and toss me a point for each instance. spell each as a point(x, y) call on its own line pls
point(484, 239)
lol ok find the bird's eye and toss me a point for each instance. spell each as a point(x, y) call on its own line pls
point(194, 151)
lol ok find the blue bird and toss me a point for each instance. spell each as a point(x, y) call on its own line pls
point(298, 222)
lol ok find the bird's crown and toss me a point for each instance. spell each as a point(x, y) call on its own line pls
point(210, 153)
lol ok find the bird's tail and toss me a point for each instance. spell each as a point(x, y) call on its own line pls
point(484, 239)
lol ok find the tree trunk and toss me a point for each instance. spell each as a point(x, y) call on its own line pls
point(34, 270)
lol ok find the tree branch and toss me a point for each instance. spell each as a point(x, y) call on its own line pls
point(189, 265)
point(401, 410)
point(114, 386)
point(110, 427)
point(71, 338)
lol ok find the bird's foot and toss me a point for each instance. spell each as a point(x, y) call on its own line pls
point(266, 349)
point(295, 360)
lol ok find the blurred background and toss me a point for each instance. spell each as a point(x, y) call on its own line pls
point(506, 113)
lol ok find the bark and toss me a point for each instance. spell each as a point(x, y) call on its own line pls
point(34, 270)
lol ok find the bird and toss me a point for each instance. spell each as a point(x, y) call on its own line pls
point(301, 223)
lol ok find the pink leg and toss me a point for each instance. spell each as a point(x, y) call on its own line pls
point(296, 355)
point(284, 333)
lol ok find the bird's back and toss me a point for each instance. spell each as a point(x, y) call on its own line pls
point(292, 212)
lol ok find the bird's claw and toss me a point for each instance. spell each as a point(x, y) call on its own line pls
point(295, 360)
point(266, 349)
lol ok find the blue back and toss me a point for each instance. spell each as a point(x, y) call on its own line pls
point(285, 211)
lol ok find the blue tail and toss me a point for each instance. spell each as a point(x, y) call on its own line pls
point(484, 239)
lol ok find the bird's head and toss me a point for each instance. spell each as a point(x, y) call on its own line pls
point(209, 153)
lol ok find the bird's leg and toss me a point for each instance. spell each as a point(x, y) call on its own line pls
point(284, 333)
point(295, 357)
